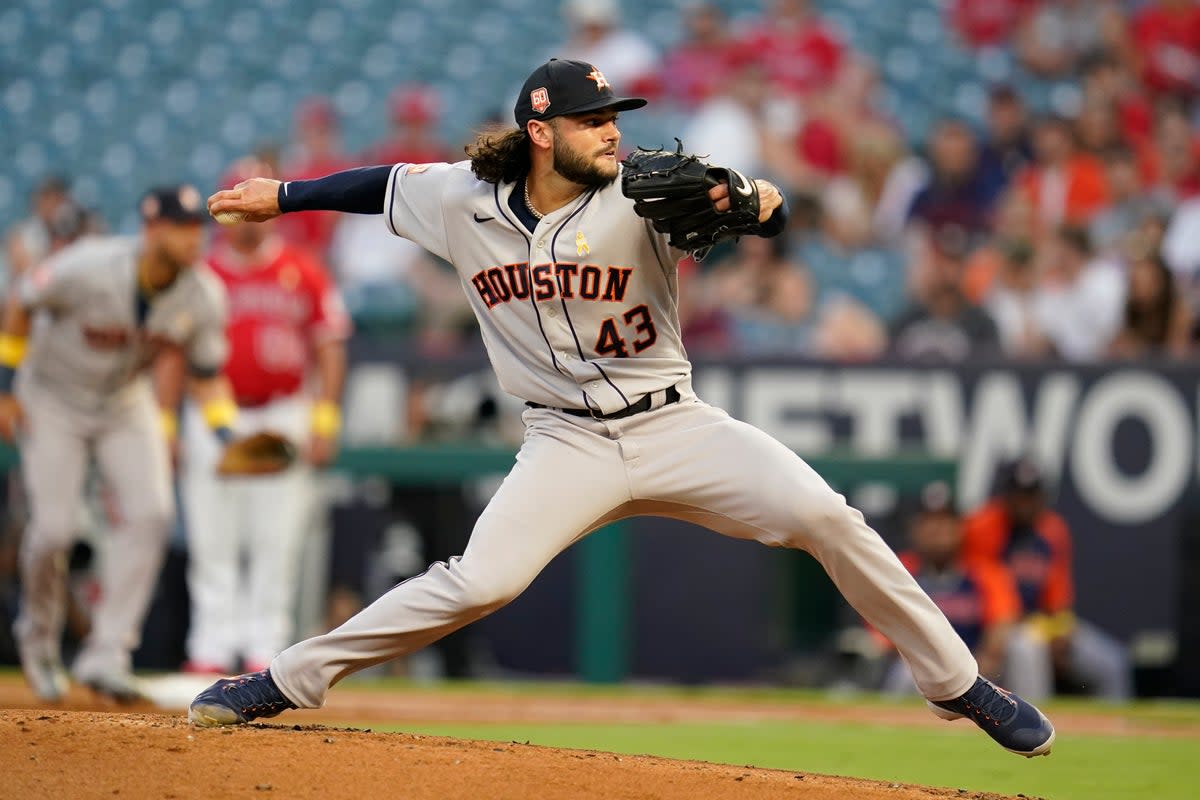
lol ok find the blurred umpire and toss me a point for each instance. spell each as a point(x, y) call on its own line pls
point(78, 332)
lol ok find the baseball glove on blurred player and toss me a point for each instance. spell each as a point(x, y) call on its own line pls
point(671, 189)
point(262, 453)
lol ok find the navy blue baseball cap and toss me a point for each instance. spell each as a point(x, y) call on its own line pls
point(936, 498)
point(1022, 475)
point(177, 203)
point(562, 86)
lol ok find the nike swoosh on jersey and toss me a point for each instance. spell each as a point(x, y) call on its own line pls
point(478, 218)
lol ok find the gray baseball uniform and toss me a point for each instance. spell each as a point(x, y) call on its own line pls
point(581, 313)
point(85, 395)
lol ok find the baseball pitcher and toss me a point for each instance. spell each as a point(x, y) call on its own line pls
point(569, 261)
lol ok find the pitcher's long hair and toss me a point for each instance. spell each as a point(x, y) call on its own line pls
point(499, 154)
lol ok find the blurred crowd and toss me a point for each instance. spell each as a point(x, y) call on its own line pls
point(1031, 235)
point(1034, 235)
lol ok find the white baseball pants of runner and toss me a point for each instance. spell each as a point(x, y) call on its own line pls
point(57, 445)
point(245, 539)
point(689, 461)
point(1097, 661)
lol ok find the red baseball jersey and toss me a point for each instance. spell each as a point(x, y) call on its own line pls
point(280, 305)
point(799, 59)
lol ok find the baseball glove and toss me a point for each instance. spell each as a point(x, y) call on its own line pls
point(263, 453)
point(671, 190)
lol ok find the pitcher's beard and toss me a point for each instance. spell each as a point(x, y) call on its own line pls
point(578, 169)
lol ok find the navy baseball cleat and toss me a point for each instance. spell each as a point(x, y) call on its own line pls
point(1016, 725)
point(234, 701)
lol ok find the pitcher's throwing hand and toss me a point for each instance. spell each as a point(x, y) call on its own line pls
point(255, 200)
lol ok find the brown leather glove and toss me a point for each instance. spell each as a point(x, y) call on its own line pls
point(263, 453)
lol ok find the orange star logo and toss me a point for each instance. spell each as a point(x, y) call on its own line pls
point(601, 81)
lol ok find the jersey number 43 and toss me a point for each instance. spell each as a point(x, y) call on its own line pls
point(611, 343)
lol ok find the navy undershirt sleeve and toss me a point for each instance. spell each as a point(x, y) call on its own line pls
point(776, 222)
point(355, 191)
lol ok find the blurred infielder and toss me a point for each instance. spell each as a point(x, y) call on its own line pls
point(100, 311)
point(576, 295)
point(286, 320)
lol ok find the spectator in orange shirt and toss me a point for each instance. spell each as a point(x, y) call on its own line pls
point(1018, 530)
point(979, 599)
point(1063, 185)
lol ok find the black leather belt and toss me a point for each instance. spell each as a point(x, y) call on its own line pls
point(672, 396)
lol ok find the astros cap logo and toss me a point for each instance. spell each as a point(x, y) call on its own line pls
point(189, 197)
point(598, 77)
point(540, 99)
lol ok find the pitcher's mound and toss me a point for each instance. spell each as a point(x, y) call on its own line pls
point(78, 754)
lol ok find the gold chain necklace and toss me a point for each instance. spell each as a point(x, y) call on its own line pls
point(529, 203)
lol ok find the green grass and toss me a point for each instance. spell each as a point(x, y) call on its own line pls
point(1184, 712)
point(1166, 713)
point(1081, 767)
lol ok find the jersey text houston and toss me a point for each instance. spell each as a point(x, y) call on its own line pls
point(587, 281)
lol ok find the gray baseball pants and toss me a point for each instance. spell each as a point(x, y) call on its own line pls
point(56, 447)
point(689, 461)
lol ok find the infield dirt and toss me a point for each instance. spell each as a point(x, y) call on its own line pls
point(90, 754)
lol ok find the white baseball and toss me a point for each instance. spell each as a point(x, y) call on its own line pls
point(229, 217)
